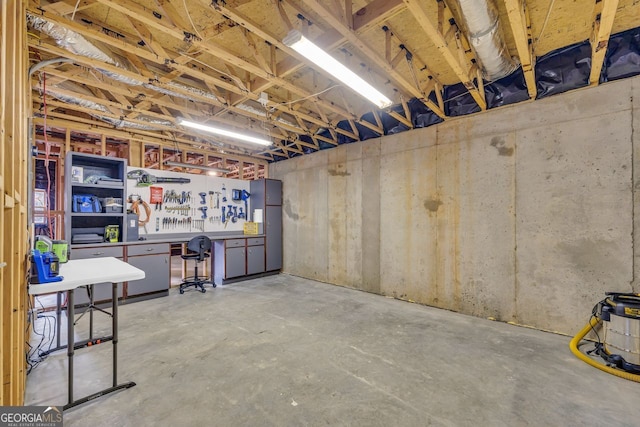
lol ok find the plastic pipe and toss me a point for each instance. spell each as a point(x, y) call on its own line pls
point(573, 345)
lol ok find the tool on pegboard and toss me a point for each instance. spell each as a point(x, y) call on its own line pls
point(156, 197)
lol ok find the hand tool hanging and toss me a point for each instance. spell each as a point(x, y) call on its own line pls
point(145, 179)
point(156, 197)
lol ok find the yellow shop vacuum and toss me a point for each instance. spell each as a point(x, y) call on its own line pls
point(618, 340)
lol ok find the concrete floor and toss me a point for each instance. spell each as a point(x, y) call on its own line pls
point(282, 350)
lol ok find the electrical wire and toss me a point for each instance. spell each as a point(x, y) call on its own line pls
point(184, 3)
point(75, 9)
point(235, 79)
point(307, 97)
point(47, 152)
point(35, 355)
point(546, 19)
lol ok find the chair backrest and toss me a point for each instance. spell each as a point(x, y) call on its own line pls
point(199, 244)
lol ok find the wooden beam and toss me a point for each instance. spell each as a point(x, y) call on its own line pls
point(146, 16)
point(402, 119)
point(98, 129)
point(604, 13)
point(241, 112)
point(65, 7)
point(518, 19)
point(176, 64)
point(373, 14)
point(253, 48)
point(404, 84)
point(147, 38)
point(447, 53)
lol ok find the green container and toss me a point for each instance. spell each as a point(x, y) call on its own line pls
point(61, 249)
point(43, 244)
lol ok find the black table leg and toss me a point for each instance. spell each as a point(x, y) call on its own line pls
point(114, 332)
point(91, 312)
point(70, 341)
point(114, 326)
point(58, 312)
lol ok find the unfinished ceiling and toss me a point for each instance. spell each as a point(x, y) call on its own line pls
point(139, 65)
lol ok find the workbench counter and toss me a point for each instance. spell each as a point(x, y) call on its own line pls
point(169, 238)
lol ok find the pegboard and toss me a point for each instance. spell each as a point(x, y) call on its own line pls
point(178, 208)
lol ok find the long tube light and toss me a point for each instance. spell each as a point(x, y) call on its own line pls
point(201, 167)
point(223, 132)
point(296, 41)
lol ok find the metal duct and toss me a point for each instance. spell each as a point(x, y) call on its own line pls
point(480, 17)
point(75, 43)
point(191, 89)
point(153, 124)
point(69, 39)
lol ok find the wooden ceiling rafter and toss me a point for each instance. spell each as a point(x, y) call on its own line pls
point(66, 106)
point(404, 85)
point(210, 61)
point(272, 40)
point(370, 16)
point(120, 90)
point(115, 115)
point(97, 128)
point(90, 111)
point(366, 18)
point(604, 12)
point(520, 23)
point(140, 13)
point(177, 63)
point(66, 7)
point(451, 54)
point(113, 69)
point(422, 64)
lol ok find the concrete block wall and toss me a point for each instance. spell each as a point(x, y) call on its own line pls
point(523, 214)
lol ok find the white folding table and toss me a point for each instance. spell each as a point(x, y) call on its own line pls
point(88, 272)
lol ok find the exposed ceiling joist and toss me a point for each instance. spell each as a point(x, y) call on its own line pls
point(146, 16)
point(521, 29)
point(604, 13)
point(211, 61)
point(405, 85)
point(448, 53)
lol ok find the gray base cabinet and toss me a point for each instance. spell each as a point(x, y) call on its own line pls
point(154, 261)
point(237, 258)
point(235, 262)
point(255, 259)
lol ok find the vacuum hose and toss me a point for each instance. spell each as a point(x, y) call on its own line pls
point(573, 345)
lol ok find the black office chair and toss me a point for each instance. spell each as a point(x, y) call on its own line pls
point(197, 250)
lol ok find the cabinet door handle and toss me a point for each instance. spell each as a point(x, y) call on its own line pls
point(149, 249)
point(97, 253)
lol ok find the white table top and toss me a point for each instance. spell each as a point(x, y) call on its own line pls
point(80, 272)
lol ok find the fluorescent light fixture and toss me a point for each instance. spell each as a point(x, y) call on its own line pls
point(296, 41)
point(201, 167)
point(223, 132)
